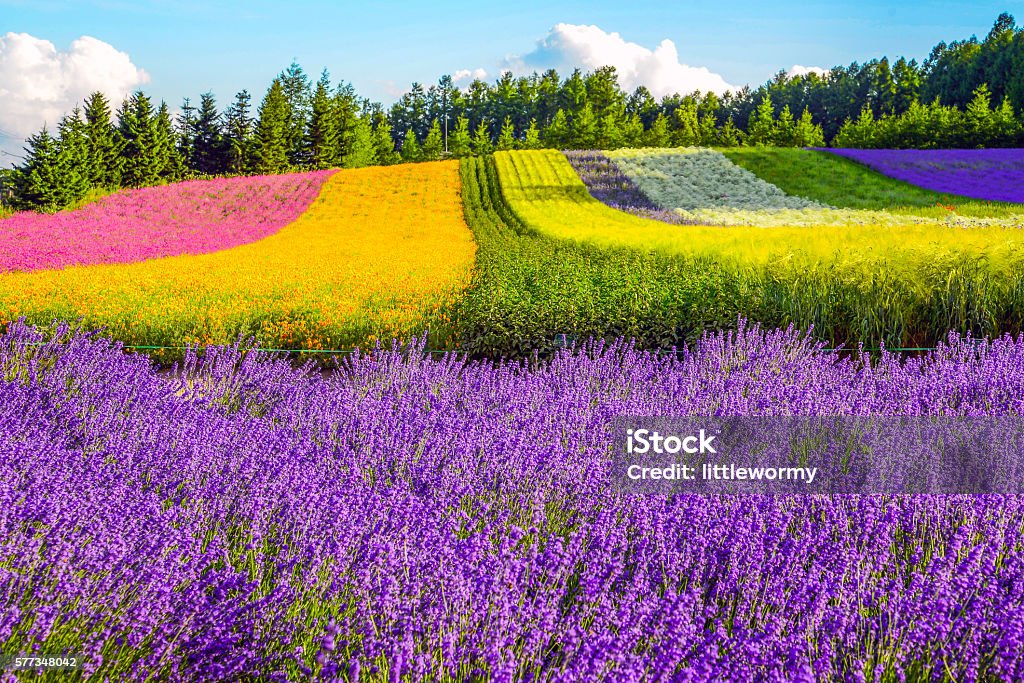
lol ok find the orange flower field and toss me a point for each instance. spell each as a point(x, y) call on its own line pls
point(381, 253)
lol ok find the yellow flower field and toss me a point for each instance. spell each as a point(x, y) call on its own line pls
point(383, 252)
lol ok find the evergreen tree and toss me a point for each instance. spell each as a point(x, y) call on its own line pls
point(761, 129)
point(609, 133)
point(104, 154)
point(978, 120)
point(433, 144)
point(362, 151)
point(658, 134)
point(39, 183)
point(507, 136)
point(271, 140)
point(633, 131)
point(346, 112)
point(238, 134)
point(137, 126)
point(73, 158)
point(296, 90)
point(806, 133)
point(686, 126)
point(557, 133)
point(411, 147)
point(531, 140)
point(186, 125)
point(785, 129)
point(481, 142)
point(384, 144)
point(210, 151)
point(459, 141)
point(167, 159)
point(729, 135)
point(322, 140)
point(1006, 130)
point(584, 129)
point(859, 133)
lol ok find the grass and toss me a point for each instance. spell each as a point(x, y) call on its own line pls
point(840, 182)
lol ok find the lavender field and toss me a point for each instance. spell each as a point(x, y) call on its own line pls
point(991, 174)
point(408, 518)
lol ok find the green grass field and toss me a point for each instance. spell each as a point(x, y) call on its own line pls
point(840, 182)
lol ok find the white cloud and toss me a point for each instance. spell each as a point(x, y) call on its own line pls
point(463, 75)
point(798, 70)
point(568, 46)
point(39, 83)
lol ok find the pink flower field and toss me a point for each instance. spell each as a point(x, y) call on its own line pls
point(193, 217)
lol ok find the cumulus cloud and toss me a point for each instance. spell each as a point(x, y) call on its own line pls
point(39, 83)
point(798, 70)
point(568, 46)
point(464, 75)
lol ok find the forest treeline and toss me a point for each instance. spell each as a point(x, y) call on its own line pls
point(969, 93)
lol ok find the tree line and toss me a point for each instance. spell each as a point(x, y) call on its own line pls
point(969, 93)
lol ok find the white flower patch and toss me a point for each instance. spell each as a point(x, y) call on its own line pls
point(777, 218)
point(692, 178)
point(705, 187)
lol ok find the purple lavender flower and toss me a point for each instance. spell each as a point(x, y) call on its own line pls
point(608, 184)
point(990, 174)
point(451, 520)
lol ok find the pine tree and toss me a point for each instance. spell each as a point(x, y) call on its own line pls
point(859, 133)
point(609, 133)
point(384, 144)
point(170, 165)
point(73, 158)
point(209, 148)
point(556, 135)
point(238, 134)
point(433, 144)
point(362, 151)
point(978, 120)
point(507, 136)
point(104, 154)
point(322, 140)
point(761, 129)
point(785, 129)
point(40, 180)
point(137, 126)
point(806, 133)
point(271, 141)
point(729, 135)
point(481, 142)
point(686, 128)
point(186, 124)
point(411, 147)
point(296, 90)
point(1006, 130)
point(658, 134)
point(531, 140)
point(584, 129)
point(633, 131)
point(459, 141)
point(707, 130)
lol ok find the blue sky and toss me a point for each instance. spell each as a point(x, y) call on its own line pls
point(187, 46)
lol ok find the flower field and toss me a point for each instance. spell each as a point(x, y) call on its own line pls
point(706, 187)
point(381, 253)
point(988, 174)
point(196, 217)
point(408, 516)
point(418, 519)
point(905, 286)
